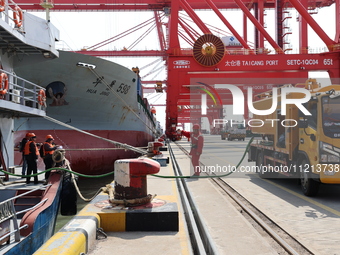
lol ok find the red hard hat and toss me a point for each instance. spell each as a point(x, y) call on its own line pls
point(196, 126)
point(49, 137)
point(28, 134)
point(31, 135)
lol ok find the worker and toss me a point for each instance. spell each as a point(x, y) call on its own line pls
point(178, 135)
point(48, 148)
point(22, 150)
point(31, 154)
point(197, 141)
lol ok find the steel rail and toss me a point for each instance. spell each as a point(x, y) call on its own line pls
point(264, 225)
point(222, 184)
point(199, 236)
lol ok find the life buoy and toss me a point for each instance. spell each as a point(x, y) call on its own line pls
point(153, 110)
point(3, 84)
point(17, 16)
point(2, 5)
point(42, 97)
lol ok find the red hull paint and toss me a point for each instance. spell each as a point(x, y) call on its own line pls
point(51, 194)
point(92, 162)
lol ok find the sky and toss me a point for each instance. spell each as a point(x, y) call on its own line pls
point(80, 30)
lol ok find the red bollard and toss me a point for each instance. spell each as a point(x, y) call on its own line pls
point(130, 177)
point(156, 146)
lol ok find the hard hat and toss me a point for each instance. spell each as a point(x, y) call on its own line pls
point(27, 134)
point(196, 126)
point(49, 137)
point(32, 135)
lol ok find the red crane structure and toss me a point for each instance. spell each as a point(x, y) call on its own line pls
point(216, 56)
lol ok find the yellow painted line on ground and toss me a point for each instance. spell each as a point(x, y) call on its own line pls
point(169, 198)
point(326, 208)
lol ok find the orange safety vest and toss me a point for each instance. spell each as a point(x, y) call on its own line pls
point(47, 152)
point(27, 148)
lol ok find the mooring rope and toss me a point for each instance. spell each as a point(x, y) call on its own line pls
point(118, 144)
point(99, 149)
point(68, 166)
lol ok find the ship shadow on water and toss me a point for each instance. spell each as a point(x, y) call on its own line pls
point(88, 188)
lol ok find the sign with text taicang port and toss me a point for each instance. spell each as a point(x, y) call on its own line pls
point(263, 62)
point(280, 62)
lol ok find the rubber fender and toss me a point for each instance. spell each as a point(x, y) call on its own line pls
point(68, 204)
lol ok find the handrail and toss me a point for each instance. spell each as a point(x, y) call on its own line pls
point(33, 207)
point(13, 232)
point(263, 51)
point(9, 17)
point(7, 212)
point(22, 91)
point(24, 194)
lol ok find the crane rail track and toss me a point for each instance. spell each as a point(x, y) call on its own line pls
point(278, 238)
point(200, 240)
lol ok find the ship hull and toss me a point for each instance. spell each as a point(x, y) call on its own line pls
point(40, 221)
point(102, 101)
point(89, 155)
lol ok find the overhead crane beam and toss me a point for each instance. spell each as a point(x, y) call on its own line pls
point(124, 53)
point(228, 25)
point(314, 25)
point(161, 37)
point(259, 26)
point(194, 17)
point(143, 5)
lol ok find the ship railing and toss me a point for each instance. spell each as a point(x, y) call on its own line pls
point(11, 13)
point(8, 212)
point(24, 92)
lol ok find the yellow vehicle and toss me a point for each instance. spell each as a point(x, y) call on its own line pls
point(309, 147)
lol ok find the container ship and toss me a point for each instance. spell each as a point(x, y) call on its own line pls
point(88, 94)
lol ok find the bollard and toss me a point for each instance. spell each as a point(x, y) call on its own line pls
point(130, 177)
point(153, 148)
point(150, 147)
point(156, 146)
